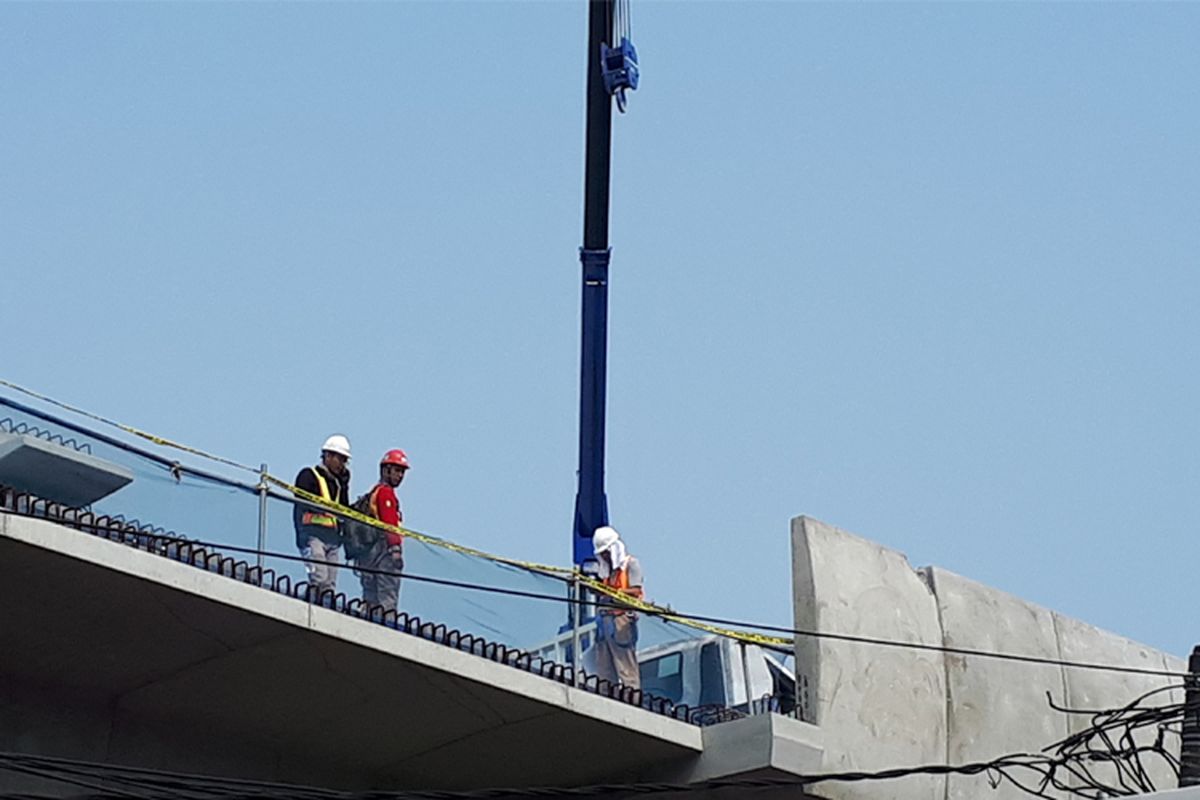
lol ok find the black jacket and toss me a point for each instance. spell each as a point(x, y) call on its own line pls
point(339, 488)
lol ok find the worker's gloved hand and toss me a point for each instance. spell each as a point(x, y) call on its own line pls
point(397, 557)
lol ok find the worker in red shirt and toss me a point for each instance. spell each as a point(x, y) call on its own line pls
point(383, 554)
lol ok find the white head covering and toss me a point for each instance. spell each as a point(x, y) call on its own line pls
point(610, 542)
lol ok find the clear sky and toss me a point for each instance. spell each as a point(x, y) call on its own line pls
point(925, 272)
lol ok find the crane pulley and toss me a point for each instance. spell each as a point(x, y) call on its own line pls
point(618, 56)
point(620, 70)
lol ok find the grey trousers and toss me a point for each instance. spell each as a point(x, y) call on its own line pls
point(616, 650)
point(322, 569)
point(381, 589)
point(618, 663)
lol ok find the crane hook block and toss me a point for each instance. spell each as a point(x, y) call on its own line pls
point(620, 69)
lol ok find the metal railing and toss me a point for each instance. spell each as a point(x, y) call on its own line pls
point(160, 542)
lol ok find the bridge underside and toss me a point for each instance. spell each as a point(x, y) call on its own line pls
point(113, 655)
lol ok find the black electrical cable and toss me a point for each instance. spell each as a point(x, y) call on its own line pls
point(72, 768)
point(49, 774)
point(846, 637)
point(161, 780)
point(961, 651)
point(1072, 755)
point(171, 466)
point(175, 466)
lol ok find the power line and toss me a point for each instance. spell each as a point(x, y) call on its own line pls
point(148, 781)
point(176, 467)
point(158, 440)
point(1064, 767)
point(846, 637)
point(667, 613)
point(153, 784)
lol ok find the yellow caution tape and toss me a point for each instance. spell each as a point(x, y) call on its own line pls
point(127, 428)
point(667, 614)
point(597, 586)
point(350, 513)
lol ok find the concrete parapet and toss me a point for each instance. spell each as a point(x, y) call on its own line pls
point(994, 707)
point(1189, 793)
point(877, 707)
point(880, 707)
point(1090, 689)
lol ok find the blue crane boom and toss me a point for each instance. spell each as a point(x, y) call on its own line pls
point(611, 69)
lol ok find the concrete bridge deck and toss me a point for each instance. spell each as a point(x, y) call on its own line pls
point(112, 654)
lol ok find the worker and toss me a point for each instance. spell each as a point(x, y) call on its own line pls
point(616, 628)
point(318, 529)
point(380, 553)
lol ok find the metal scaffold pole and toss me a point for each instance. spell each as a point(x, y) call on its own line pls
point(262, 513)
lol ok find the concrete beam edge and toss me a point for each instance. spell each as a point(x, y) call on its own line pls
point(182, 577)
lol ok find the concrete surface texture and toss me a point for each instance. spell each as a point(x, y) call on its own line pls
point(114, 655)
point(988, 708)
point(1189, 793)
point(877, 708)
point(990, 702)
point(755, 746)
point(1086, 689)
point(57, 473)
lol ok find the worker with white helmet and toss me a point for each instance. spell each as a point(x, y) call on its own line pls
point(616, 628)
point(318, 530)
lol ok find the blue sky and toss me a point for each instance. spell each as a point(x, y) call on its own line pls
point(925, 272)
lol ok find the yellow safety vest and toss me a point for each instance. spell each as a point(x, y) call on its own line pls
point(319, 518)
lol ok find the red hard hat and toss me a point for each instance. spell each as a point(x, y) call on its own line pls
point(396, 457)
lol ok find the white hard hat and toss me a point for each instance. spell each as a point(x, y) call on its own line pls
point(337, 444)
point(604, 538)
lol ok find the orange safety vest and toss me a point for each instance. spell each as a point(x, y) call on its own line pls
point(318, 518)
point(619, 580)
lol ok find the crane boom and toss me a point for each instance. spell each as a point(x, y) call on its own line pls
point(591, 503)
point(612, 70)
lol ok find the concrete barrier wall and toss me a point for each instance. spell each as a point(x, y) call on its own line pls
point(877, 707)
point(880, 708)
point(1089, 689)
point(995, 707)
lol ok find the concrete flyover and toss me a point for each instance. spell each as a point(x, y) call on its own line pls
point(879, 708)
point(115, 655)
